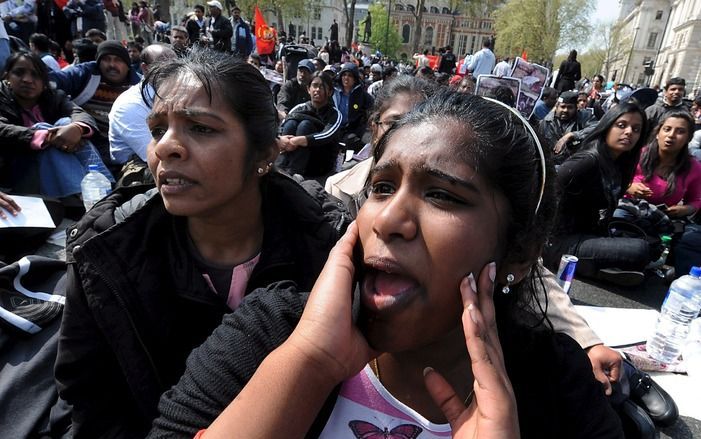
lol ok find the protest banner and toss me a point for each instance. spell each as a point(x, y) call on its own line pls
point(504, 89)
point(533, 78)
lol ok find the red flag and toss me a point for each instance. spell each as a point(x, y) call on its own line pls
point(524, 55)
point(265, 35)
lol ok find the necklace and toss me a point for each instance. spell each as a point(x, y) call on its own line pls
point(374, 365)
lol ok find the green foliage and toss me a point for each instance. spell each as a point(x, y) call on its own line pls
point(592, 62)
point(541, 26)
point(393, 41)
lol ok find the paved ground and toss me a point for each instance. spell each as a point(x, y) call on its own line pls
point(649, 295)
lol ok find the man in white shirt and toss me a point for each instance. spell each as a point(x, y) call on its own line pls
point(503, 68)
point(483, 61)
point(128, 132)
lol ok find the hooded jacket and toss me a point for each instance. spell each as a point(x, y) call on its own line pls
point(359, 103)
point(137, 305)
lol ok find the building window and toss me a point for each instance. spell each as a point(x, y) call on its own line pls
point(410, 8)
point(472, 44)
point(317, 33)
point(434, 10)
point(652, 40)
point(446, 11)
point(658, 15)
point(462, 44)
point(441, 35)
point(428, 38)
point(406, 33)
point(316, 15)
point(398, 7)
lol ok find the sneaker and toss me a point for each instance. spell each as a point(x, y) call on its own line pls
point(620, 277)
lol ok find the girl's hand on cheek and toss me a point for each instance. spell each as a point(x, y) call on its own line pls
point(326, 333)
point(492, 413)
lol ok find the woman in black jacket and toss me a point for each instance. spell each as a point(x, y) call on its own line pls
point(309, 141)
point(409, 294)
point(570, 72)
point(25, 100)
point(592, 181)
point(151, 275)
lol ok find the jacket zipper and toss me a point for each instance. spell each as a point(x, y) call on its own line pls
point(123, 305)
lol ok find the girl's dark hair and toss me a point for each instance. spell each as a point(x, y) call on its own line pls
point(403, 84)
point(596, 141)
point(650, 158)
point(326, 79)
point(36, 62)
point(502, 150)
point(241, 86)
point(572, 56)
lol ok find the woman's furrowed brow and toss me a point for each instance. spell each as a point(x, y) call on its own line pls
point(185, 112)
point(437, 173)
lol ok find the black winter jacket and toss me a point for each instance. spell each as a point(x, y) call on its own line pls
point(327, 120)
point(15, 137)
point(569, 403)
point(136, 305)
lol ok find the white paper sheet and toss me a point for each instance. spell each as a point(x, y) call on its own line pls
point(34, 214)
point(619, 326)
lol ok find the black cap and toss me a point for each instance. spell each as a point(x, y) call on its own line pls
point(568, 97)
point(112, 47)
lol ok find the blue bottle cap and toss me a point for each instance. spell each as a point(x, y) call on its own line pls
point(695, 271)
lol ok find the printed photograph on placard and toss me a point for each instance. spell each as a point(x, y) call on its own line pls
point(503, 89)
point(533, 78)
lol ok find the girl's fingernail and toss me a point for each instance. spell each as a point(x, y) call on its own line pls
point(473, 284)
point(492, 271)
point(427, 370)
point(473, 312)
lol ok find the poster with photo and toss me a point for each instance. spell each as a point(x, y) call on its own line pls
point(533, 79)
point(503, 89)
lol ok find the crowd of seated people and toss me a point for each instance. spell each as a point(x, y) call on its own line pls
point(188, 287)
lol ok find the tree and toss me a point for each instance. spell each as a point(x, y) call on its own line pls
point(418, 13)
point(476, 8)
point(349, 12)
point(541, 26)
point(614, 45)
point(591, 62)
point(385, 39)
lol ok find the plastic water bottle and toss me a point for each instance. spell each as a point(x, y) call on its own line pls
point(94, 187)
point(692, 351)
point(680, 307)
